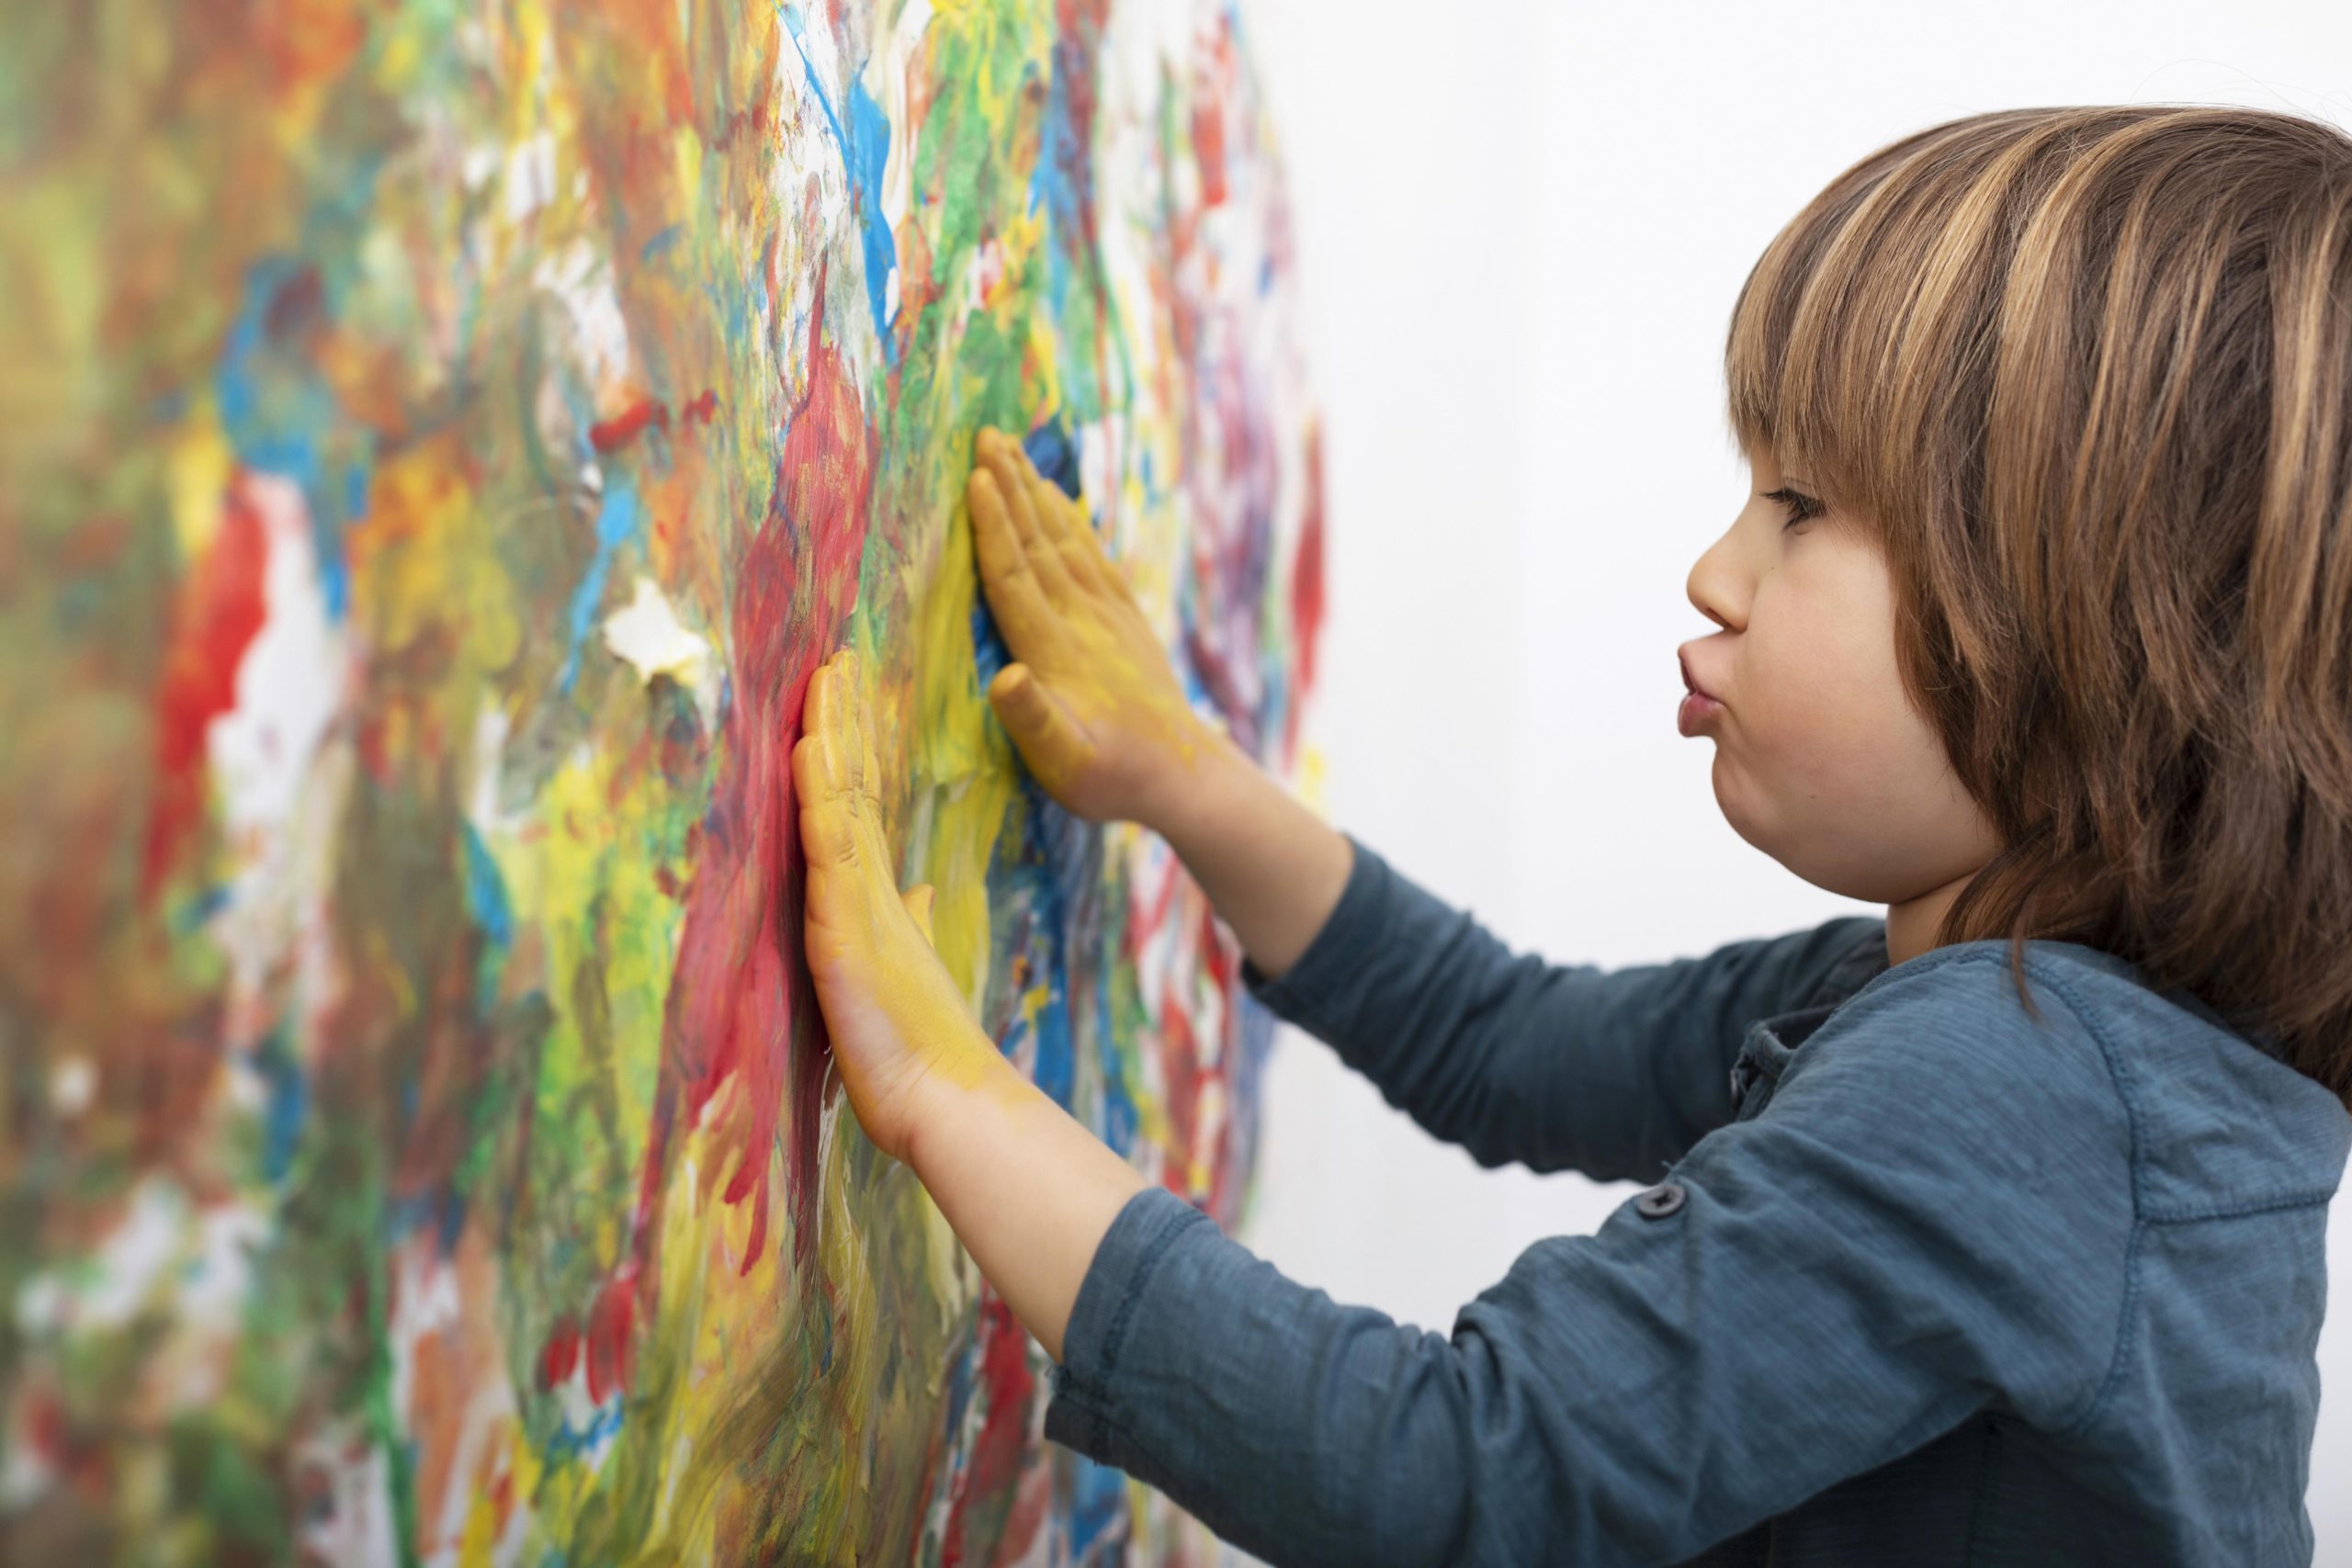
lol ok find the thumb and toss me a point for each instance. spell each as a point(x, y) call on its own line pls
point(1050, 740)
point(918, 900)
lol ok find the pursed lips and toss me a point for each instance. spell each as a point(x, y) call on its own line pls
point(1689, 682)
point(1699, 705)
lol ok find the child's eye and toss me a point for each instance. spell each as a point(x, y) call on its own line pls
point(1805, 507)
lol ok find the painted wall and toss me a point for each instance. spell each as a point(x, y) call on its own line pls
point(436, 444)
point(1526, 360)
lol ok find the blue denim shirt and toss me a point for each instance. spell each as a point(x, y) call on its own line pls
point(1923, 1277)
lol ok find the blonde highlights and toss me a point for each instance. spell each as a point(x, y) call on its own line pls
point(2088, 372)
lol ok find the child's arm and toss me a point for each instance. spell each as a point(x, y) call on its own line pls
point(1099, 717)
point(1898, 1239)
point(1028, 1189)
point(1559, 1067)
point(1933, 1215)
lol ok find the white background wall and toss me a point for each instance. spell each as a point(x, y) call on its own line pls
point(1522, 228)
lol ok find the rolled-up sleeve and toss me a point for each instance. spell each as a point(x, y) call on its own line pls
point(1611, 1072)
point(1821, 1288)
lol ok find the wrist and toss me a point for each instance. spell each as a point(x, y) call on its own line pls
point(1029, 1192)
point(977, 1074)
point(1198, 787)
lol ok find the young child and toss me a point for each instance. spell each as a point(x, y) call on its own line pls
point(1991, 1232)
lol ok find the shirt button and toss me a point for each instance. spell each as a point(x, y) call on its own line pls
point(1661, 1200)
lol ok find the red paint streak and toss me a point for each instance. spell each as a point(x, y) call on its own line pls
point(741, 982)
point(45, 1425)
point(917, 292)
point(1214, 80)
point(1149, 918)
point(1306, 590)
point(95, 544)
point(611, 1340)
point(562, 1353)
point(610, 435)
point(703, 409)
point(1210, 662)
point(1223, 971)
point(1077, 55)
point(219, 612)
point(301, 44)
point(997, 1451)
point(1179, 1066)
point(1220, 958)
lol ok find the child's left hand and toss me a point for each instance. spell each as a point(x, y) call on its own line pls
point(902, 1030)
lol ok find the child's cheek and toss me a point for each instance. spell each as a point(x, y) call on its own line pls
point(1807, 766)
point(1833, 691)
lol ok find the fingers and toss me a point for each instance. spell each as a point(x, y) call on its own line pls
point(1051, 741)
point(816, 752)
point(831, 717)
point(1015, 594)
point(827, 827)
point(857, 756)
point(869, 773)
point(1064, 521)
point(834, 769)
point(919, 900)
point(1065, 526)
point(1009, 467)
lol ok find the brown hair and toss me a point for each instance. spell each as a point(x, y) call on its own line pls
point(2088, 371)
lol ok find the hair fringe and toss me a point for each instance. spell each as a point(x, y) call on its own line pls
point(2089, 370)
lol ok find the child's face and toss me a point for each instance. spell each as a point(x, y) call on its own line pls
point(1821, 761)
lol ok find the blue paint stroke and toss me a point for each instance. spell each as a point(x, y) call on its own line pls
point(1098, 1501)
point(989, 652)
point(959, 1388)
point(618, 520)
point(452, 1221)
point(486, 901)
point(278, 411)
point(1059, 179)
point(286, 1104)
point(660, 242)
point(1055, 1069)
point(192, 914)
point(279, 414)
point(1050, 447)
point(486, 891)
point(865, 144)
point(607, 1423)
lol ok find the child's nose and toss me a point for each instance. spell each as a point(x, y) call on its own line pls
point(1716, 588)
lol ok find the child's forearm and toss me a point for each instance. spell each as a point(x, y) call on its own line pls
point(1028, 1189)
point(1098, 715)
point(1273, 869)
point(1029, 1192)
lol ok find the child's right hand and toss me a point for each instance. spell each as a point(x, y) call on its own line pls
point(1091, 701)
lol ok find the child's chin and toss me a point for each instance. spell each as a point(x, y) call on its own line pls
point(1762, 827)
point(1734, 798)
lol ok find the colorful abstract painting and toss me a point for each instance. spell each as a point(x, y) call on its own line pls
point(438, 439)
